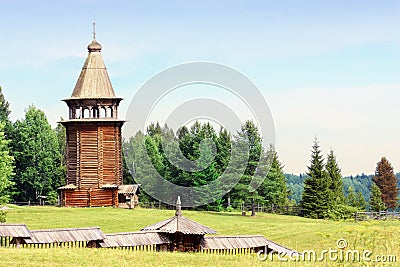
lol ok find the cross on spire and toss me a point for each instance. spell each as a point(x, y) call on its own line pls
point(94, 30)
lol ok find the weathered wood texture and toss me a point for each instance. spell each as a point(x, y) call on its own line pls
point(94, 158)
point(94, 152)
point(90, 197)
point(94, 155)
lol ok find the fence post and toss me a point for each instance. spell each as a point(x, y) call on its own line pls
point(355, 216)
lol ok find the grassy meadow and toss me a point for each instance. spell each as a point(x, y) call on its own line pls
point(380, 237)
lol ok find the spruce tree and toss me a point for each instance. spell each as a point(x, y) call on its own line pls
point(356, 200)
point(336, 195)
point(314, 198)
point(387, 183)
point(375, 202)
point(274, 188)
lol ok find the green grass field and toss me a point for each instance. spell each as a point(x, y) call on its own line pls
point(380, 237)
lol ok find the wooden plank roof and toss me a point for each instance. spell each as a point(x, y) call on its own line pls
point(133, 239)
point(93, 82)
point(68, 187)
point(64, 235)
point(128, 189)
point(233, 242)
point(238, 242)
point(14, 230)
point(180, 224)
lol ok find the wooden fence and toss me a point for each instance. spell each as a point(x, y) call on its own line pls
point(246, 207)
point(377, 215)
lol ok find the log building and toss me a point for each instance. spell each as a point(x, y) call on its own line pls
point(94, 153)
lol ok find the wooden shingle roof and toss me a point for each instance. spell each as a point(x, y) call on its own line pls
point(14, 230)
point(93, 82)
point(238, 242)
point(180, 224)
point(128, 189)
point(64, 235)
point(133, 239)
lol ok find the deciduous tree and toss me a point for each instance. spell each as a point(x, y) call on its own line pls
point(37, 155)
point(6, 168)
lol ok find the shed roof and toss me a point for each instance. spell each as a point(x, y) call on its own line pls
point(109, 186)
point(180, 224)
point(237, 242)
point(233, 242)
point(14, 230)
point(128, 189)
point(133, 239)
point(68, 187)
point(93, 82)
point(64, 235)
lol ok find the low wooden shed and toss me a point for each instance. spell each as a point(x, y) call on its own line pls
point(245, 243)
point(81, 237)
point(128, 196)
point(10, 231)
point(136, 240)
point(185, 234)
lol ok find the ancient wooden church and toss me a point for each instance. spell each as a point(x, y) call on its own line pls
point(94, 154)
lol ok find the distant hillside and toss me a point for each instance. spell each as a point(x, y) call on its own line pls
point(360, 183)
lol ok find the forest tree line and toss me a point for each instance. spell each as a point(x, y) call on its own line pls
point(32, 164)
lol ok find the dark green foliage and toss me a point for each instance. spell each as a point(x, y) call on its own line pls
point(62, 141)
point(295, 184)
point(6, 168)
point(3, 216)
point(336, 195)
point(360, 183)
point(356, 200)
point(248, 138)
point(4, 115)
point(39, 168)
point(342, 212)
point(387, 183)
point(274, 188)
point(199, 156)
point(375, 202)
point(316, 187)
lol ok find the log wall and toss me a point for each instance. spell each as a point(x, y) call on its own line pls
point(94, 158)
point(90, 197)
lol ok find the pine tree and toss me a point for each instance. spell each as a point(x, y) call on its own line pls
point(336, 195)
point(387, 183)
point(375, 202)
point(314, 202)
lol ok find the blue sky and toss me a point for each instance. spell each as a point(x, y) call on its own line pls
point(327, 68)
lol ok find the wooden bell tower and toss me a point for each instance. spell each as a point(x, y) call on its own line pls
point(94, 154)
